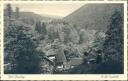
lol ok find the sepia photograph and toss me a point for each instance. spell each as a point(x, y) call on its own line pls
point(63, 38)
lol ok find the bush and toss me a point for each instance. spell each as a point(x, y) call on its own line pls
point(109, 68)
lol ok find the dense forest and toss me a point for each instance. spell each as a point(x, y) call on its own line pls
point(42, 45)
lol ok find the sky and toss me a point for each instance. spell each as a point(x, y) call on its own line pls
point(49, 9)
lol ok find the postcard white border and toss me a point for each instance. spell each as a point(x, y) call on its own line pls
point(65, 76)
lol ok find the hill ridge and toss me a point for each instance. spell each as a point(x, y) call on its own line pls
point(93, 16)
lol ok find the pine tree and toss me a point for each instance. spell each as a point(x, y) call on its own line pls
point(9, 10)
point(41, 29)
point(27, 59)
point(44, 31)
point(9, 44)
point(22, 51)
point(8, 13)
point(113, 45)
point(38, 26)
point(82, 36)
point(17, 13)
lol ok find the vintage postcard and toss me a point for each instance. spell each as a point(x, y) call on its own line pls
point(63, 40)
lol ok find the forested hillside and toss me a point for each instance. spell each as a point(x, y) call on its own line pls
point(90, 40)
point(93, 16)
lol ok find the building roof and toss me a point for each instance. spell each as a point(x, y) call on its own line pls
point(50, 61)
point(75, 61)
point(50, 52)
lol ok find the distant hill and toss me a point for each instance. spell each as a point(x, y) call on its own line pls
point(32, 17)
point(37, 16)
point(93, 16)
